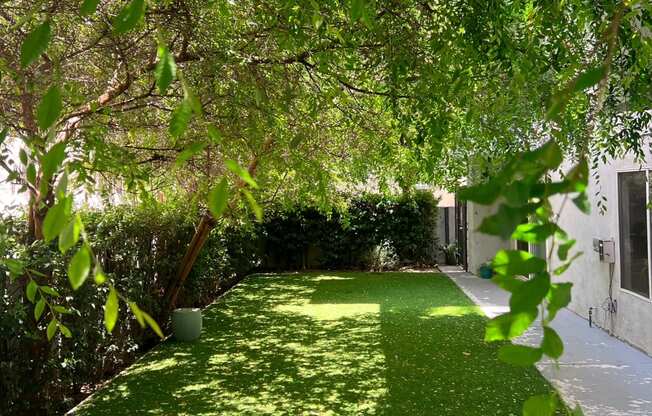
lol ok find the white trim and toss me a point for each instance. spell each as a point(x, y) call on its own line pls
point(645, 169)
point(647, 231)
point(636, 295)
point(641, 168)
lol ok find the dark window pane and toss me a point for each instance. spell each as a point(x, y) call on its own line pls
point(633, 233)
point(522, 245)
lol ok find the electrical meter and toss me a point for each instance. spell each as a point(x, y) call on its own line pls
point(606, 249)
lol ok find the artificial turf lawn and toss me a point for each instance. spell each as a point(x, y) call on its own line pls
point(328, 344)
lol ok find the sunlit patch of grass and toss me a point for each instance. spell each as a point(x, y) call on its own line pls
point(328, 344)
point(453, 311)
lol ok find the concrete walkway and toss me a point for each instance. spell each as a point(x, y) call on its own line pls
point(603, 374)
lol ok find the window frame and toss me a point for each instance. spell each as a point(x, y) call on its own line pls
point(648, 218)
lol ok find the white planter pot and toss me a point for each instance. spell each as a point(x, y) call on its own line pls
point(186, 323)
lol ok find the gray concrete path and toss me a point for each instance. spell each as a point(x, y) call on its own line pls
point(603, 374)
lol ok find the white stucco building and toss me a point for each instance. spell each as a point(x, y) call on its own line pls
point(625, 310)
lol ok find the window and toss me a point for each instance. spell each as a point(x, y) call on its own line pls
point(634, 225)
point(538, 250)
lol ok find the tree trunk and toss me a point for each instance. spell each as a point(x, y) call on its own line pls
point(204, 228)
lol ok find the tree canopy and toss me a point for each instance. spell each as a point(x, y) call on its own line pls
point(238, 104)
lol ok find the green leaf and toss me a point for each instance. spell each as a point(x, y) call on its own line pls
point(3, 135)
point(214, 134)
point(51, 161)
point(357, 9)
point(234, 167)
point(62, 309)
point(30, 290)
point(180, 119)
point(559, 297)
point(257, 210)
point(581, 201)
point(52, 328)
point(50, 291)
point(100, 277)
point(152, 324)
point(49, 108)
point(166, 68)
point(504, 222)
point(189, 152)
point(31, 174)
point(516, 262)
point(578, 177)
point(589, 78)
point(79, 266)
point(22, 155)
point(129, 16)
point(541, 405)
point(485, 194)
point(39, 308)
point(65, 331)
point(562, 269)
point(564, 248)
point(517, 193)
point(62, 185)
point(35, 43)
point(548, 156)
point(519, 355)
point(111, 310)
point(509, 325)
point(70, 234)
point(16, 267)
point(552, 344)
point(218, 198)
point(88, 7)
point(192, 100)
point(534, 233)
point(137, 313)
point(56, 218)
point(528, 295)
point(317, 20)
point(577, 411)
point(509, 283)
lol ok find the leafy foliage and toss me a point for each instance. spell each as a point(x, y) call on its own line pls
point(373, 232)
point(139, 249)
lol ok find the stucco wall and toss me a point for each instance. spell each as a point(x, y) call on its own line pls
point(481, 248)
point(633, 320)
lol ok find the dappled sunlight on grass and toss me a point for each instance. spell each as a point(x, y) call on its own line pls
point(331, 311)
point(331, 343)
point(453, 311)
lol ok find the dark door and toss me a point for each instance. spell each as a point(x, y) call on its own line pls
point(460, 231)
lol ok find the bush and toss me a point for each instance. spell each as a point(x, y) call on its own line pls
point(400, 231)
point(140, 249)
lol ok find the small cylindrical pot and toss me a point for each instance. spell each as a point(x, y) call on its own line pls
point(186, 323)
point(486, 272)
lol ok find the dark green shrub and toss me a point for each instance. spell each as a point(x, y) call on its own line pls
point(140, 248)
point(401, 230)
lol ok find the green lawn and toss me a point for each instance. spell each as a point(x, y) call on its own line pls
point(328, 344)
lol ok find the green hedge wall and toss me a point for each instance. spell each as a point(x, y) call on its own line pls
point(374, 232)
point(140, 249)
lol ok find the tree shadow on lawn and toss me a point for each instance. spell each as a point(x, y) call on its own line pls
point(328, 343)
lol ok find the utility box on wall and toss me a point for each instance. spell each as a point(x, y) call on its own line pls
point(606, 249)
